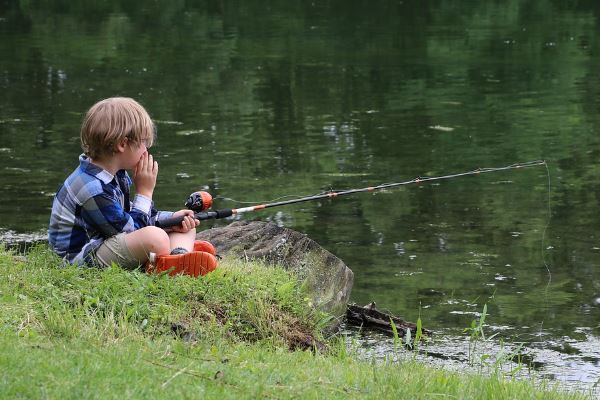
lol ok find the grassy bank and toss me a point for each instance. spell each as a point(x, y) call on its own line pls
point(236, 333)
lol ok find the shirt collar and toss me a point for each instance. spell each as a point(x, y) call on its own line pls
point(94, 170)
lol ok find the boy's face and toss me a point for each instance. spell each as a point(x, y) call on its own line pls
point(134, 152)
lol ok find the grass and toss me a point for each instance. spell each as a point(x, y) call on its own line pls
point(236, 333)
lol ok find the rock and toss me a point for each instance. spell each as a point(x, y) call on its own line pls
point(22, 242)
point(327, 278)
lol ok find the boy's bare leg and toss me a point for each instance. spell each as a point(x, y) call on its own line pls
point(149, 239)
point(183, 240)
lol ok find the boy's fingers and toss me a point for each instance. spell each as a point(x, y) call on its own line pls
point(186, 222)
point(192, 222)
point(151, 165)
point(144, 159)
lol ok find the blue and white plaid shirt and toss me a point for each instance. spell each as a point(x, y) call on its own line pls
point(93, 205)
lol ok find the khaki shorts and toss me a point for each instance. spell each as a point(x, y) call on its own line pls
point(114, 249)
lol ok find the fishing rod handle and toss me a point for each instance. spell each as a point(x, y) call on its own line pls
point(202, 216)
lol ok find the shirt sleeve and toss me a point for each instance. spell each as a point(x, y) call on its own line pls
point(145, 205)
point(160, 215)
point(107, 216)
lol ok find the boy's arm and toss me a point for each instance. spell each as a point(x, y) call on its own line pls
point(142, 206)
point(106, 215)
point(141, 202)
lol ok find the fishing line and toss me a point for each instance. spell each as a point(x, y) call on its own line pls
point(548, 217)
point(543, 250)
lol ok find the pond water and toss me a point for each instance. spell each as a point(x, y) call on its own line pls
point(255, 101)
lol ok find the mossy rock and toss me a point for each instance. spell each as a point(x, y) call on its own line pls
point(327, 278)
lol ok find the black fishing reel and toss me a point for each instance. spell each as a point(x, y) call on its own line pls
point(199, 201)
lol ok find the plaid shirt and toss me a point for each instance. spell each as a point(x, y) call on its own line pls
point(93, 205)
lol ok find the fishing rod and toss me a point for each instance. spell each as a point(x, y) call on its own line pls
point(200, 202)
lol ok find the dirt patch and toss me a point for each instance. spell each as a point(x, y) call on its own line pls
point(274, 324)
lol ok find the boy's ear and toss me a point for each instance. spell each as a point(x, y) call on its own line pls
point(121, 145)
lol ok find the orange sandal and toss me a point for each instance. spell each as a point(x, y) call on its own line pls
point(201, 261)
point(203, 245)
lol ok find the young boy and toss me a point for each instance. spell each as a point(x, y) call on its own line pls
point(93, 221)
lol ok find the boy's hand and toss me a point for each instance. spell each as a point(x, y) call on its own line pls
point(144, 175)
point(188, 223)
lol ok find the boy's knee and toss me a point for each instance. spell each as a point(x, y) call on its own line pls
point(148, 239)
point(156, 235)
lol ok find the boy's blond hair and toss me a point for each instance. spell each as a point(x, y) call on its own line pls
point(111, 120)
